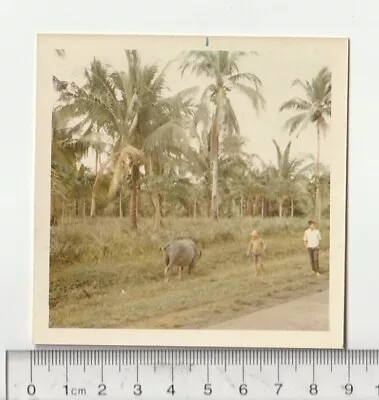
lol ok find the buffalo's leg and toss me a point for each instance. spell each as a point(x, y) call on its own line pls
point(166, 271)
point(167, 266)
point(191, 266)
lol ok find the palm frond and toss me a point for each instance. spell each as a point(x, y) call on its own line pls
point(316, 104)
point(61, 53)
point(297, 122)
point(170, 136)
point(246, 76)
point(199, 63)
point(254, 95)
point(296, 103)
point(230, 120)
point(122, 162)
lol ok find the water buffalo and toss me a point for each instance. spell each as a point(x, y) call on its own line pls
point(53, 220)
point(181, 253)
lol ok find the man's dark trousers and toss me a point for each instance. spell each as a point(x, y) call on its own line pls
point(313, 257)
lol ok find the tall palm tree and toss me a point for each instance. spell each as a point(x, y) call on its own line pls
point(130, 107)
point(199, 155)
point(315, 107)
point(287, 175)
point(236, 170)
point(222, 67)
point(85, 131)
point(65, 152)
point(322, 183)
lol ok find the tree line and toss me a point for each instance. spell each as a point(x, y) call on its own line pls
point(158, 155)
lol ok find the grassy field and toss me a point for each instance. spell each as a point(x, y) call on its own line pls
point(103, 275)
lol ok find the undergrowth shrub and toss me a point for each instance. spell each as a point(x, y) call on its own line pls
point(93, 240)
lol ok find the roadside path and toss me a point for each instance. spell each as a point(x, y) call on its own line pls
point(306, 313)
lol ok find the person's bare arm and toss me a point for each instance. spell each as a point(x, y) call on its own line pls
point(264, 245)
point(249, 248)
point(305, 239)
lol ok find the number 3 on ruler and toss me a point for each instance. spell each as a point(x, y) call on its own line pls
point(137, 389)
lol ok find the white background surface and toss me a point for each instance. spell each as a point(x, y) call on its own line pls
point(21, 20)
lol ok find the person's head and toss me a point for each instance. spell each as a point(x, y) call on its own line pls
point(254, 234)
point(312, 224)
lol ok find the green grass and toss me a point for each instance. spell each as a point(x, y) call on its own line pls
point(105, 276)
point(111, 239)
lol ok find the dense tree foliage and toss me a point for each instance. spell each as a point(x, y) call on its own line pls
point(157, 155)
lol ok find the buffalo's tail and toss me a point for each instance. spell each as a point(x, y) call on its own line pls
point(166, 257)
point(166, 260)
point(163, 248)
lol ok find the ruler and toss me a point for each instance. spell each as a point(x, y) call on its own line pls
point(192, 374)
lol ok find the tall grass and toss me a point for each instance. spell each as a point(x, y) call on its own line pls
point(88, 241)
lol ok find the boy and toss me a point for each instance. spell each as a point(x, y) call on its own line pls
point(312, 238)
point(258, 247)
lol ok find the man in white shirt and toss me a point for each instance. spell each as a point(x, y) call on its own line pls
point(312, 238)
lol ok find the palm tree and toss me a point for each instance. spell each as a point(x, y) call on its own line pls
point(65, 153)
point(85, 131)
point(222, 68)
point(322, 183)
point(129, 106)
point(315, 107)
point(82, 179)
point(199, 155)
point(167, 143)
point(236, 170)
point(287, 176)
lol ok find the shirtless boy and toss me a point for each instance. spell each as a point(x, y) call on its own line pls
point(257, 247)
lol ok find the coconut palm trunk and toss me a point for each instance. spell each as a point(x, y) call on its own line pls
point(156, 200)
point(93, 198)
point(138, 201)
point(280, 204)
point(292, 208)
point(93, 206)
point(120, 204)
point(215, 150)
point(317, 177)
point(214, 195)
point(133, 195)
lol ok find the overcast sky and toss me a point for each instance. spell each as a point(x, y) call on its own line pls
point(276, 65)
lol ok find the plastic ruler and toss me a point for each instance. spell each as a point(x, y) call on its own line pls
point(192, 374)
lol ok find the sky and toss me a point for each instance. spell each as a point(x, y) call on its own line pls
point(276, 64)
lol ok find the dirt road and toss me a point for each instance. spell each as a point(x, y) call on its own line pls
point(305, 313)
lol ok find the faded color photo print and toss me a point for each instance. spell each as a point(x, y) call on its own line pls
point(190, 190)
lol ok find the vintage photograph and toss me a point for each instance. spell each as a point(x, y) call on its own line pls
point(190, 190)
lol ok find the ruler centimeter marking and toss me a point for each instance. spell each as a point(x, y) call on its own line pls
point(297, 374)
point(198, 357)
